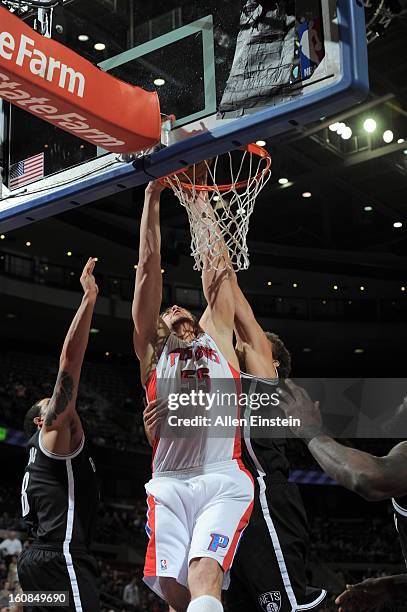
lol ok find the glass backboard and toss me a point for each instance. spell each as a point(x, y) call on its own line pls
point(229, 72)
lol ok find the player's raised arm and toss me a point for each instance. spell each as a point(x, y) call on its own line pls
point(218, 319)
point(62, 430)
point(373, 478)
point(148, 285)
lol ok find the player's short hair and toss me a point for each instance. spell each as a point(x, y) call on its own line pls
point(29, 426)
point(281, 354)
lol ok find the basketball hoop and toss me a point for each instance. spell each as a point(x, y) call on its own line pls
point(219, 199)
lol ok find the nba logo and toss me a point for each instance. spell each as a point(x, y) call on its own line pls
point(164, 564)
point(271, 601)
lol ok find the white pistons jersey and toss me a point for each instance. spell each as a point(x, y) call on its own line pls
point(194, 436)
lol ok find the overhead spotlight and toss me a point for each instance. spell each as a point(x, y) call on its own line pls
point(397, 224)
point(83, 37)
point(335, 287)
point(347, 133)
point(388, 136)
point(159, 82)
point(135, 266)
point(340, 128)
point(295, 285)
point(370, 125)
point(107, 354)
point(94, 330)
point(96, 258)
point(283, 181)
point(405, 151)
point(28, 243)
point(362, 288)
point(368, 208)
point(333, 127)
point(162, 270)
point(69, 253)
point(269, 283)
point(2, 237)
point(359, 351)
point(307, 350)
point(402, 288)
point(400, 141)
point(307, 194)
point(261, 143)
point(99, 46)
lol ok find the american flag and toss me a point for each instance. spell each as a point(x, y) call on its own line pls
point(27, 171)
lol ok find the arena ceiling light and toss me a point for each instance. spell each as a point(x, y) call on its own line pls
point(83, 37)
point(69, 253)
point(340, 128)
point(362, 288)
point(94, 330)
point(388, 136)
point(370, 125)
point(400, 141)
point(269, 283)
point(261, 143)
point(295, 285)
point(333, 127)
point(336, 287)
point(283, 181)
point(99, 46)
point(397, 224)
point(359, 351)
point(28, 243)
point(2, 237)
point(159, 82)
point(368, 208)
point(307, 350)
point(402, 288)
point(307, 194)
point(346, 133)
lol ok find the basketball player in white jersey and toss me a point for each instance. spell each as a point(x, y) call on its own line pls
point(200, 497)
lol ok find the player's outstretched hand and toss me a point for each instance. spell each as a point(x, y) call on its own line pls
point(153, 415)
point(155, 187)
point(363, 597)
point(88, 281)
point(296, 403)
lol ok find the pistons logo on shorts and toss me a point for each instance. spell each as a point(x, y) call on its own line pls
point(271, 601)
point(218, 541)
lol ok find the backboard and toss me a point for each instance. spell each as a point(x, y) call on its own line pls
point(229, 72)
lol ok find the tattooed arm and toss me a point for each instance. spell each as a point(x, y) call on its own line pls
point(62, 430)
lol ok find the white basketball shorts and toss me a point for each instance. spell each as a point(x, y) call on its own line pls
point(196, 513)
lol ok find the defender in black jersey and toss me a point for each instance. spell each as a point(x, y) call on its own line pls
point(269, 572)
point(59, 494)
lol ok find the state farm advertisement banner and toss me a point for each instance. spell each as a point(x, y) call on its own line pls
point(56, 84)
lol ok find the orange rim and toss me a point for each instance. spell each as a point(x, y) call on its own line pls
point(250, 148)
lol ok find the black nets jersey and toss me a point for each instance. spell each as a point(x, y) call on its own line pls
point(264, 446)
point(400, 517)
point(60, 496)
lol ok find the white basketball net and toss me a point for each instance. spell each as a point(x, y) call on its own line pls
point(219, 217)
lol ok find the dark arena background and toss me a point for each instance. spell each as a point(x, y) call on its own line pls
point(328, 274)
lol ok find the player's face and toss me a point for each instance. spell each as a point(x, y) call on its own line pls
point(175, 315)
